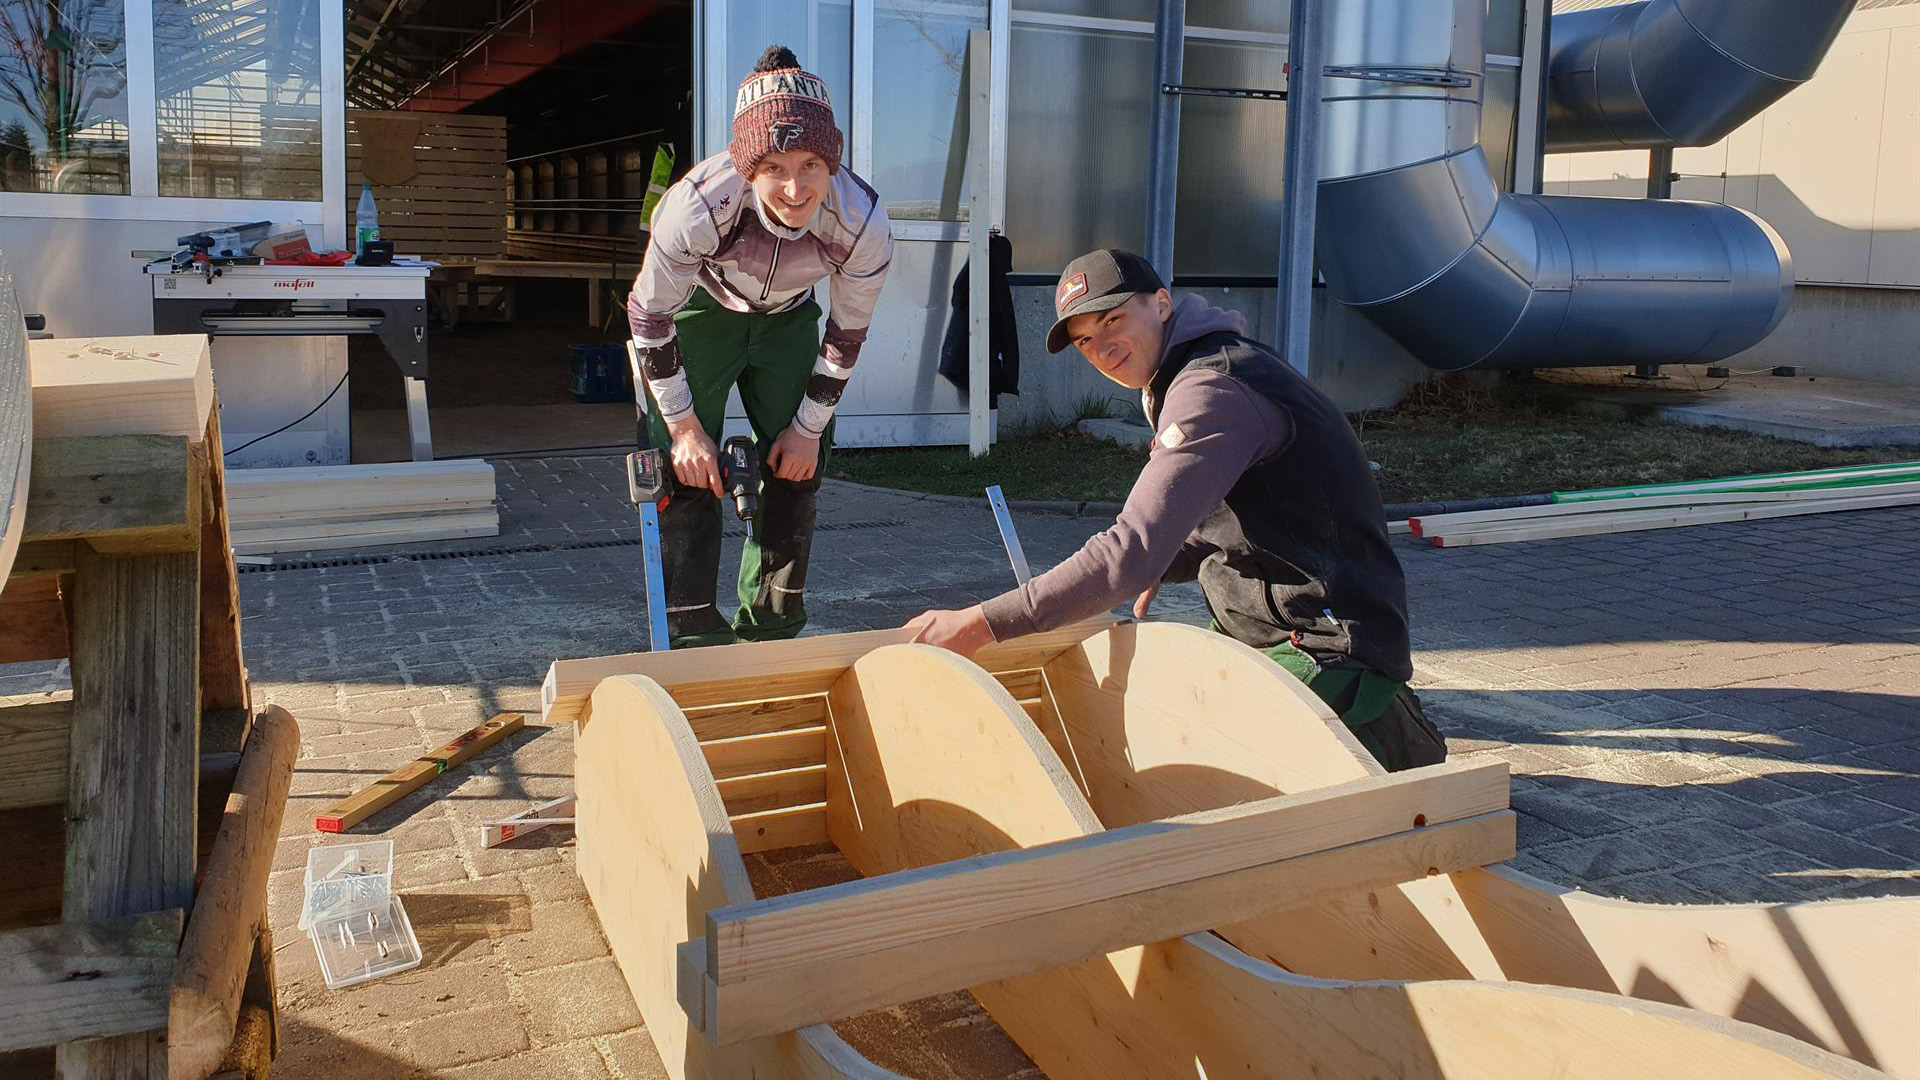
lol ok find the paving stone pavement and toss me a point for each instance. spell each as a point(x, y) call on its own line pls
point(1720, 713)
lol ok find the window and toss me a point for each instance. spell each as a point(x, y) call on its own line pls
point(63, 96)
point(238, 98)
point(921, 107)
point(820, 33)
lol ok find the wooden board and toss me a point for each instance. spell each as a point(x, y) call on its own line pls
point(656, 852)
point(33, 751)
point(845, 950)
point(151, 385)
point(265, 495)
point(1866, 498)
point(131, 794)
point(86, 980)
point(1514, 517)
point(1819, 972)
point(332, 535)
point(223, 672)
point(398, 784)
point(934, 771)
point(16, 421)
point(124, 494)
point(772, 669)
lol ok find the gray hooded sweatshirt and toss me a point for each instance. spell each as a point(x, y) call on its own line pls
point(1212, 429)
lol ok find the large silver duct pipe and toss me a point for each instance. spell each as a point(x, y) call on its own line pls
point(1679, 72)
point(1414, 231)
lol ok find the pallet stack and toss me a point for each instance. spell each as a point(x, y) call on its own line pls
point(144, 805)
point(339, 506)
point(1668, 506)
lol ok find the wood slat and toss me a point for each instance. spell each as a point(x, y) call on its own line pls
point(85, 980)
point(776, 829)
point(122, 493)
point(782, 790)
point(223, 673)
point(754, 754)
point(396, 785)
point(131, 791)
point(33, 752)
point(1023, 685)
point(149, 385)
point(756, 717)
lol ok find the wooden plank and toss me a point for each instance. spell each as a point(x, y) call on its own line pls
point(1518, 516)
point(749, 755)
point(223, 671)
point(152, 385)
point(230, 911)
point(857, 980)
point(33, 751)
point(41, 558)
point(1638, 521)
point(781, 790)
point(86, 980)
point(33, 620)
point(307, 536)
point(772, 830)
point(803, 666)
point(1023, 685)
point(757, 717)
point(125, 494)
point(845, 950)
point(1125, 869)
point(131, 791)
point(396, 785)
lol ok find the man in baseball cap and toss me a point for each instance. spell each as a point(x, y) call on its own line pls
point(1256, 486)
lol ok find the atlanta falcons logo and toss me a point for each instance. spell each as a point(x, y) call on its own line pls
point(784, 134)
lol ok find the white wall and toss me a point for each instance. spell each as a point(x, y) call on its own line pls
point(1834, 166)
point(80, 272)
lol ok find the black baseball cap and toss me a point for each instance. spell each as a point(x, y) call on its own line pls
point(1098, 281)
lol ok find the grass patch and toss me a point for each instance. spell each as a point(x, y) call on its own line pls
point(1451, 439)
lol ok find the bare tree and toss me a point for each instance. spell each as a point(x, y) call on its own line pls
point(60, 60)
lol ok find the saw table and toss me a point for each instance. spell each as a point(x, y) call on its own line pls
point(389, 302)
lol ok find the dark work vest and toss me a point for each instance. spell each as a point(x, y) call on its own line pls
point(1303, 556)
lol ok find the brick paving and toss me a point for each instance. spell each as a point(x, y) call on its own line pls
point(1720, 713)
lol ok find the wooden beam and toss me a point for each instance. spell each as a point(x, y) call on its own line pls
point(396, 785)
point(42, 558)
point(33, 751)
point(757, 717)
point(771, 830)
point(86, 980)
point(151, 385)
point(131, 788)
point(223, 672)
point(841, 951)
point(33, 621)
point(752, 754)
point(123, 494)
point(231, 909)
point(804, 786)
point(729, 674)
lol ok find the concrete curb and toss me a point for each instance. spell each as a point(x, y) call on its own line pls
point(1395, 511)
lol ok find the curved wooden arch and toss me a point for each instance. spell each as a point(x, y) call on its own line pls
point(1168, 719)
point(941, 763)
point(16, 422)
point(657, 852)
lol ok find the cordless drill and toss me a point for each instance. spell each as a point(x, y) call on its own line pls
point(739, 476)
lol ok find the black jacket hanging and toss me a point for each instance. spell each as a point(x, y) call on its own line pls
point(1003, 339)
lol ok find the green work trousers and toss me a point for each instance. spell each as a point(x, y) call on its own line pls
point(1382, 712)
point(769, 357)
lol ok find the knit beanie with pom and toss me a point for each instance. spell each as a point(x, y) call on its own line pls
point(781, 108)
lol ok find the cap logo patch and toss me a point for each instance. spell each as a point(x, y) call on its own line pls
point(1070, 290)
point(784, 134)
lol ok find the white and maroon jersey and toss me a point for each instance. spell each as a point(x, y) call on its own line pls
point(710, 232)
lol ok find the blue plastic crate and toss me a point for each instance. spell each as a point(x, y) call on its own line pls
point(600, 373)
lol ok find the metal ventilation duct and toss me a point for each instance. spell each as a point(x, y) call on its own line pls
point(1679, 72)
point(1414, 231)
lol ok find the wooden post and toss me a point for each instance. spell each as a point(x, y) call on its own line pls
point(231, 910)
point(223, 679)
point(135, 748)
point(979, 221)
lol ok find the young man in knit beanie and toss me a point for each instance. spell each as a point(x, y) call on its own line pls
point(724, 299)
